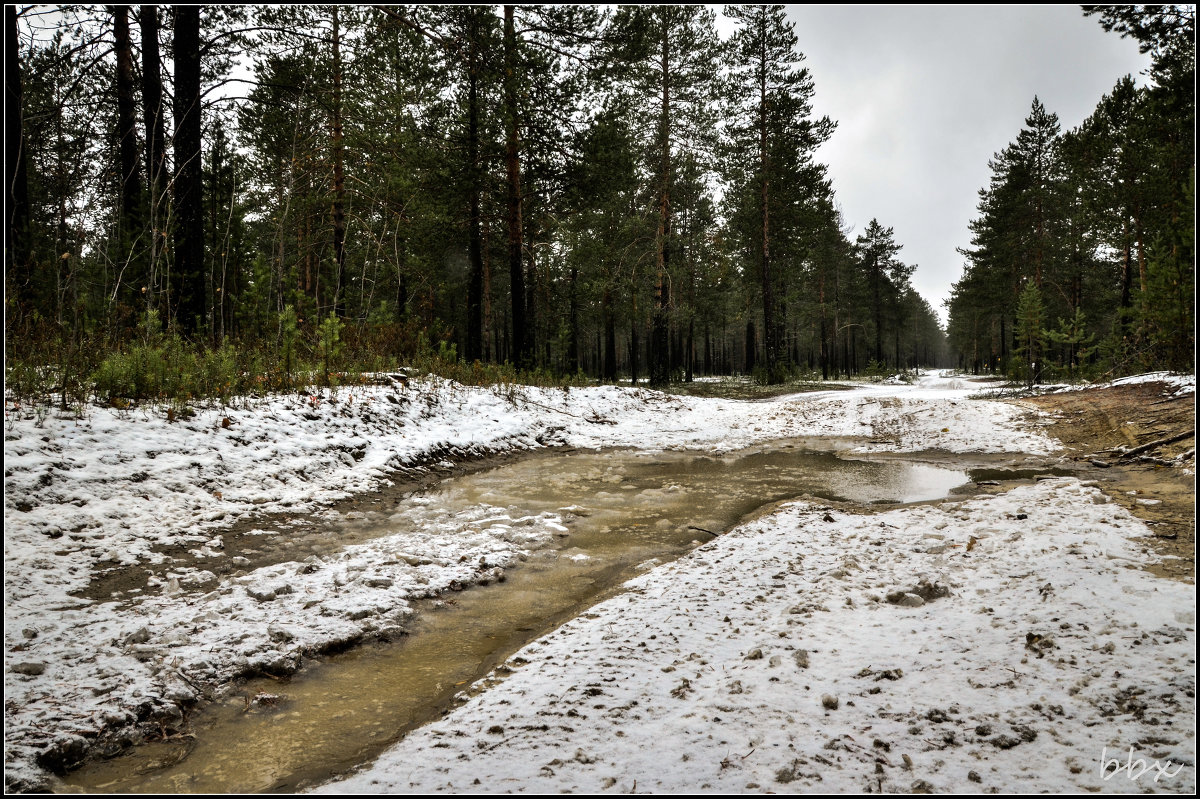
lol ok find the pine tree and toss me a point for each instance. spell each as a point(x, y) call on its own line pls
point(1035, 168)
point(669, 58)
point(769, 122)
point(1172, 285)
point(877, 250)
point(131, 225)
point(512, 163)
point(338, 152)
point(549, 51)
point(605, 223)
point(1021, 232)
point(17, 251)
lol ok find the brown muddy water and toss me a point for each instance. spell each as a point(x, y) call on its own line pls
point(625, 512)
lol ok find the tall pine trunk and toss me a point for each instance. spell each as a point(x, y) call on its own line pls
point(877, 308)
point(770, 323)
point(512, 163)
point(156, 152)
point(573, 321)
point(610, 338)
point(129, 234)
point(188, 279)
point(474, 236)
point(659, 365)
point(339, 176)
point(16, 196)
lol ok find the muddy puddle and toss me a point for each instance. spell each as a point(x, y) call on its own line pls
point(622, 512)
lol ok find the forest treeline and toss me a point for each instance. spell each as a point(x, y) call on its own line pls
point(570, 190)
point(1082, 257)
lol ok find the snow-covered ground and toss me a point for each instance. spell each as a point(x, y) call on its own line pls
point(1016, 650)
point(1175, 385)
point(117, 487)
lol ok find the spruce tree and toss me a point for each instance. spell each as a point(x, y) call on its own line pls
point(1030, 335)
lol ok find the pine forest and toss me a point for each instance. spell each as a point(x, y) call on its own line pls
point(210, 200)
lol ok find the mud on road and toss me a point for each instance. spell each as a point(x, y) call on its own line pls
point(1103, 428)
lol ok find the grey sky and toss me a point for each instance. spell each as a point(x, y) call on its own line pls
point(925, 95)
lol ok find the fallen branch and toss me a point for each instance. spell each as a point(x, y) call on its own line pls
point(1154, 460)
point(1162, 442)
point(594, 418)
point(489, 747)
point(1173, 399)
point(701, 529)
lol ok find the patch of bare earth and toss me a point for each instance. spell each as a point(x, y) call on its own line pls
point(1139, 443)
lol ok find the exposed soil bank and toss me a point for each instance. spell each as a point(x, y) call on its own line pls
point(1158, 485)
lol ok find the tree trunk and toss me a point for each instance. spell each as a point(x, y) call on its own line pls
point(573, 321)
point(751, 347)
point(400, 246)
point(610, 338)
point(474, 242)
point(633, 353)
point(708, 353)
point(156, 150)
point(216, 195)
point(339, 177)
point(770, 331)
point(689, 351)
point(131, 227)
point(659, 366)
point(1003, 347)
point(531, 299)
point(487, 335)
point(189, 215)
point(512, 161)
point(877, 299)
point(824, 335)
point(16, 198)
point(1126, 281)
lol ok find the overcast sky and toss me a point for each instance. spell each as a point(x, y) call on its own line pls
point(923, 96)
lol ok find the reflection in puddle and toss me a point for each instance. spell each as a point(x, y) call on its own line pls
point(619, 512)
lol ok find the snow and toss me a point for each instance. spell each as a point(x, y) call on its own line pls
point(120, 487)
point(1177, 385)
point(1018, 674)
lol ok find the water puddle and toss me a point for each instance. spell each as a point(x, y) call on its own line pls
point(623, 512)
